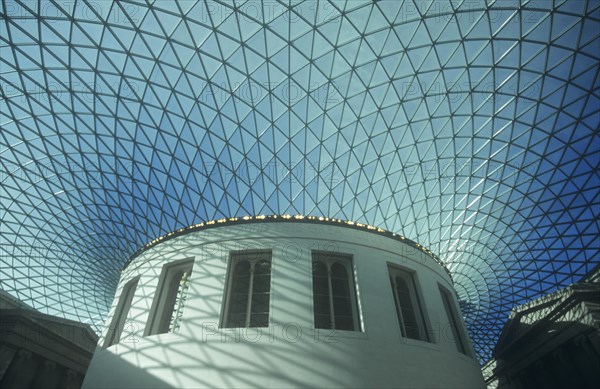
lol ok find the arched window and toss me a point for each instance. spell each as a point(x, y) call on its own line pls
point(408, 306)
point(321, 296)
point(261, 288)
point(248, 290)
point(175, 301)
point(170, 298)
point(334, 294)
point(238, 300)
point(342, 303)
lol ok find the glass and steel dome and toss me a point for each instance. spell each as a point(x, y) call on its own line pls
point(470, 127)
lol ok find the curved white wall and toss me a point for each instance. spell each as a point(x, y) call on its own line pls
point(290, 353)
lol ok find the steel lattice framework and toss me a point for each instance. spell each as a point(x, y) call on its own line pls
point(470, 127)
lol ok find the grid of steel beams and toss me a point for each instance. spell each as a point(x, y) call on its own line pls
point(470, 127)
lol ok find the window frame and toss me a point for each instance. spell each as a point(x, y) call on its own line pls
point(416, 298)
point(456, 324)
point(158, 322)
point(347, 261)
point(119, 319)
point(253, 256)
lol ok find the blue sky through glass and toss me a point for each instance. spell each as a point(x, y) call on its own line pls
point(471, 128)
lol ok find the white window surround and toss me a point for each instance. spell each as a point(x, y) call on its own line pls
point(166, 301)
point(408, 301)
point(117, 325)
point(460, 337)
point(250, 317)
point(330, 260)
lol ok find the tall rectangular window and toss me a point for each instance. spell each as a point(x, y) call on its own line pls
point(408, 305)
point(169, 301)
point(248, 289)
point(334, 292)
point(454, 322)
point(118, 321)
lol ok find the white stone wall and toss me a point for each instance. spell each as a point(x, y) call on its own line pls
point(290, 353)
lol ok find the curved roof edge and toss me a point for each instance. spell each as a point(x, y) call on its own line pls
point(288, 219)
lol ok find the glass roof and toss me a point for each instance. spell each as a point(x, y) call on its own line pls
point(470, 127)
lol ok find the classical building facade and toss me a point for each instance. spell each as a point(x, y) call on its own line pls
point(41, 351)
point(551, 342)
